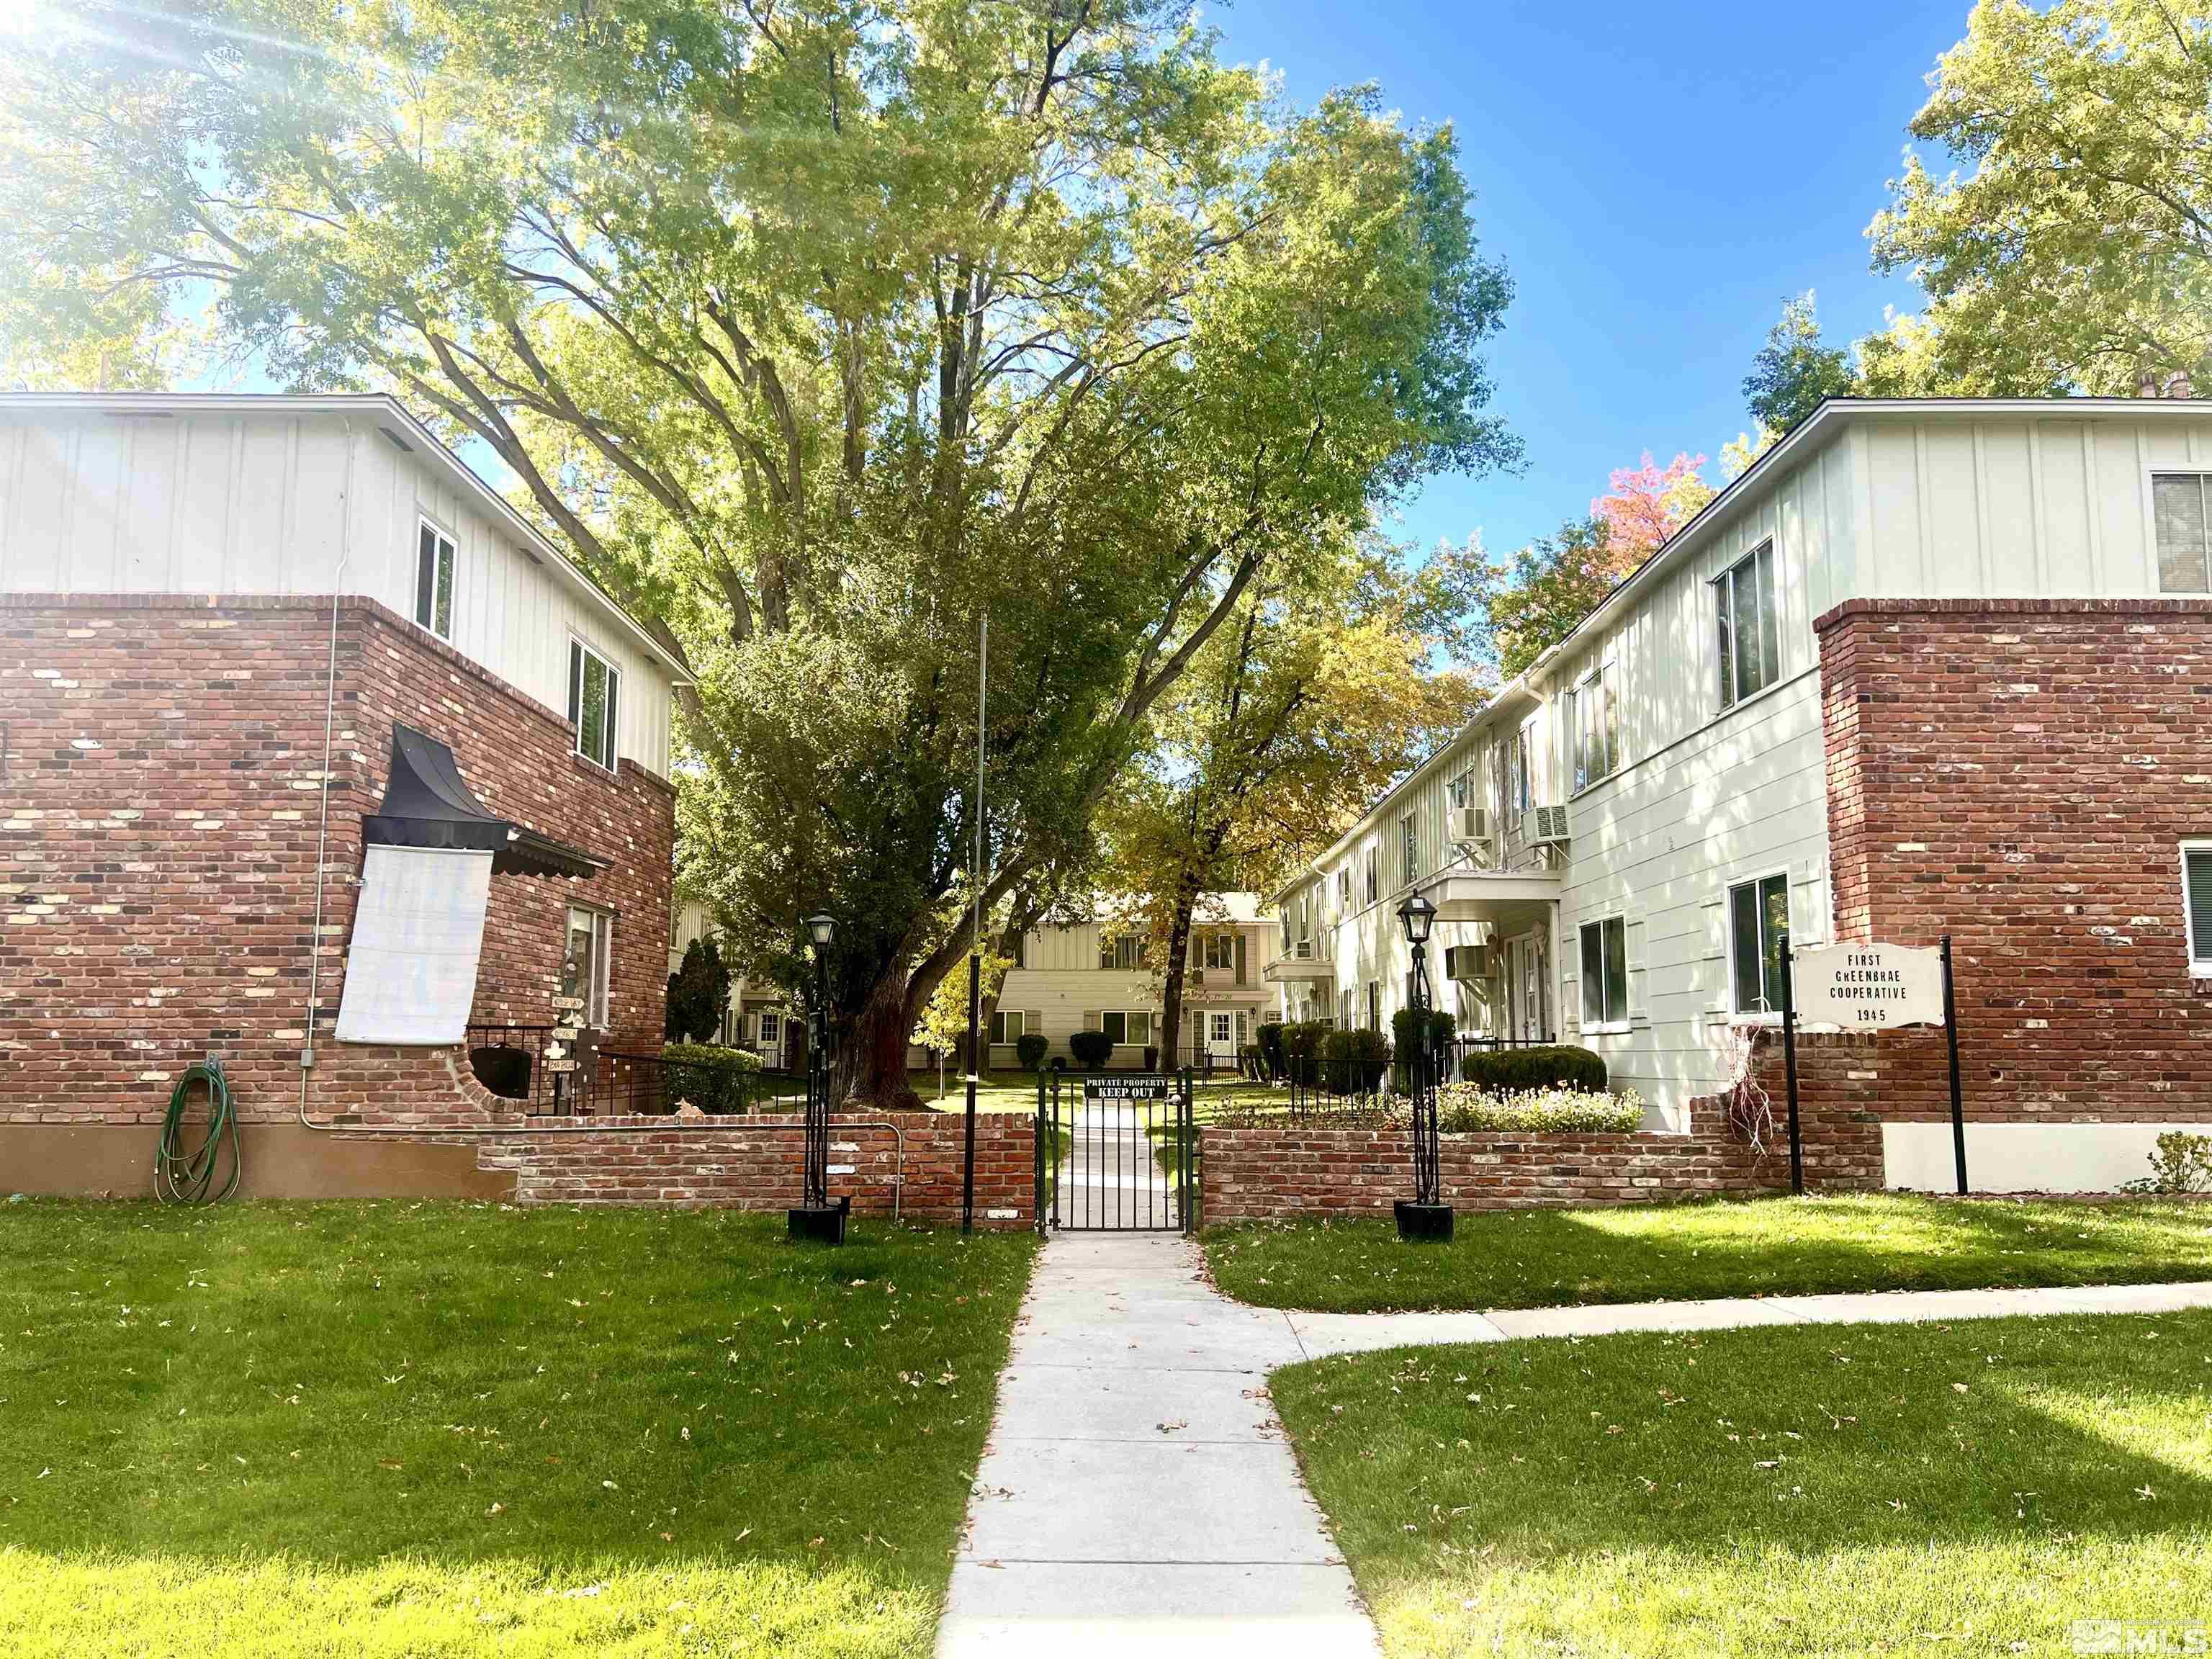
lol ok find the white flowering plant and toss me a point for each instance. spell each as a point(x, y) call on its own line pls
point(1463, 1107)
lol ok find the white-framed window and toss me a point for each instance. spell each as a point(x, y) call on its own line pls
point(1409, 838)
point(1520, 789)
point(1007, 1026)
point(594, 698)
point(1374, 1004)
point(1374, 873)
point(1127, 1027)
point(1121, 951)
point(771, 1028)
point(1605, 974)
point(1597, 720)
point(1343, 890)
point(1743, 603)
point(1217, 950)
point(2179, 501)
point(1758, 943)
point(1348, 1008)
point(587, 963)
point(2196, 905)
point(433, 579)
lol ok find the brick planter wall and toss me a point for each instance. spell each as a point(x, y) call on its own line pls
point(159, 799)
point(754, 1163)
point(1281, 1171)
point(2018, 774)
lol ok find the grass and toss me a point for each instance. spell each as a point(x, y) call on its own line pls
point(392, 1429)
point(1761, 1247)
point(1973, 1488)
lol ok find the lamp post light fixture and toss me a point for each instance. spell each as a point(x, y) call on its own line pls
point(1427, 1216)
point(816, 1216)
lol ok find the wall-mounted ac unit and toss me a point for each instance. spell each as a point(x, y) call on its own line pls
point(1547, 826)
point(1470, 824)
point(1466, 963)
point(1302, 950)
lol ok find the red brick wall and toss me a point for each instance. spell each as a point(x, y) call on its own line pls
point(1843, 1080)
point(1278, 1171)
point(753, 1163)
point(2018, 774)
point(158, 816)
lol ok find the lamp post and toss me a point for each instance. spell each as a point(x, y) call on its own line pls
point(1428, 1216)
point(816, 1216)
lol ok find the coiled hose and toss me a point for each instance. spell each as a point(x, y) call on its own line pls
point(181, 1177)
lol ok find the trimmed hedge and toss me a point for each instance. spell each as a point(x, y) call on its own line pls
point(1269, 1040)
point(1091, 1049)
point(715, 1080)
point(1443, 1027)
point(1353, 1062)
point(1558, 1066)
point(1030, 1048)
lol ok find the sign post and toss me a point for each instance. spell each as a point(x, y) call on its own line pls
point(1876, 987)
point(1957, 1106)
point(1790, 1069)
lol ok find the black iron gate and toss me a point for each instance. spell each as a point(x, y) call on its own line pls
point(1116, 1152)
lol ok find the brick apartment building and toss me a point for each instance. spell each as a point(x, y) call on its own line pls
point(1928, 667)
point(196, 591)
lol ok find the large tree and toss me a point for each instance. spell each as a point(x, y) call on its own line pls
point(1795, 370)
point(2075, 248)
point(820, 329)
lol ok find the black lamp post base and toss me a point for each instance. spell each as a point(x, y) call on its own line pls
point(824, 1224)
point(1420, 1223)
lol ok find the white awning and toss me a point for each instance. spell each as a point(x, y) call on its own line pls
point(418, 932)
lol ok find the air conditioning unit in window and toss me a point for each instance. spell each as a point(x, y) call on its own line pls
point(1470, 824)
point(1466, 963)
point(1302, 950)
point(1547, 826)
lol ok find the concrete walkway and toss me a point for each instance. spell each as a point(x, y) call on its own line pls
point(1137, 1494)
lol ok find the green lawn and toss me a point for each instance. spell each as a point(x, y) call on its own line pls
point(1894, 1489)
point(393, 1429)
point(1769, 1247)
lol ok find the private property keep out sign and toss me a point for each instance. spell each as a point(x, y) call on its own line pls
point(1869, 987)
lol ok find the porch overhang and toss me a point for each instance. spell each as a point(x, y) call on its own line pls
point(1491, 896)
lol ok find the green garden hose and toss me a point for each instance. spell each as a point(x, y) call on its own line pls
point(189, 1178)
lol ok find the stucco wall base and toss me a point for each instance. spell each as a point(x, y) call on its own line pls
point(2024, 1158)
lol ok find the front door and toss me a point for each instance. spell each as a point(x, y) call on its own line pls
point(1220, 1035)
point(1525, 999)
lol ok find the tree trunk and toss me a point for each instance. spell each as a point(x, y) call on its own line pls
point(1186, 900)
point(871, 1067)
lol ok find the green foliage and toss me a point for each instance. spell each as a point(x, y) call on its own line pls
point(698, 991)
point(1463, 1108)
point(1029, 1047)
point(1442, 1027)
point(1559, 1065)
point(1302, 1041)
point(2182, 1162)
point(1551, 584)
point(1268, 1036)
point(718, 1081)
point(1090, 1049)
point(1794, 371)
point(2067, 249)
point(1352, 1062)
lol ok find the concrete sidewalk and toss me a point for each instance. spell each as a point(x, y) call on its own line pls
point(1137, 1495)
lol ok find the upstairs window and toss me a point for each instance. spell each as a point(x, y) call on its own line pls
point(1217, 950)
point(1374, 875)
point(1343, 891)
point(1409, 838)
point(1758, 943)
point(1122, 952)
point(1596, 727)
point(1751, 653)
point(594, 687)
point(434, 580)
point(2178, 504)
point(587, 968)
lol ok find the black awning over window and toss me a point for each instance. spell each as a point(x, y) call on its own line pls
point(426, 804)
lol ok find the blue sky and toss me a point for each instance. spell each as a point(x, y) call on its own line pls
point(1657, 179)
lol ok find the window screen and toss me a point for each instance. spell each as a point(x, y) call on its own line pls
point(434, 580)
point(1758, 943)
point(594, 689)
point(2185, 554)
point(1750, 650)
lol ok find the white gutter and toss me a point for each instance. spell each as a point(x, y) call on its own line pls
point(388, 413)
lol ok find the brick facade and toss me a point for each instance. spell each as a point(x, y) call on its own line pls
point(1280, 1170)
point(2019, 773)
point(159, 807)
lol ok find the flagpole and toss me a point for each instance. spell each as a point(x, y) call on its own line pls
point(976, 935)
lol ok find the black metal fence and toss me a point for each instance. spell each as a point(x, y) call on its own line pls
point(579, 1080)
point(1119, 1157)
point(510, 1061)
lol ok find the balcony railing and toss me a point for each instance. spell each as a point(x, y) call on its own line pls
point(510, 1061)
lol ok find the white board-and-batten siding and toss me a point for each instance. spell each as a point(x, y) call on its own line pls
point(225, 502)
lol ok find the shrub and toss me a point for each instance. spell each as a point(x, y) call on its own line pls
point(1371, 1058)
point(716, 1080)
point(2181, 1163)
point(1030, 1048)
point(698, 991)
point(1461, 1107)
point(1252, 1063)
point(1302, 1051)
point(1270, 1044)
point(1517, 1070)
point(1442, 1027)
point(1151, 1056)
point(1091, 1049)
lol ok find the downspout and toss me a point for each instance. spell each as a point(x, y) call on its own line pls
point(315, 939)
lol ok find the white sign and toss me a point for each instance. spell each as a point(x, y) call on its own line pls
point(1869, 987)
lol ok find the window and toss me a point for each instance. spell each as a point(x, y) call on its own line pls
point(2197, 904)
point(771, 1028)
point(1121, 951)
point(433, 579)
point(1374, 874)
point(1758, 943)
point(594, 686)
point(1343, 890)
point(1605, 974)
point(1348, 1001)
point(1597, 746)
point(1217, 950)
point(1007, 1026)
point(1409, 838)
point(588, 961)
point(1520, 791)
point(1374, 1004)
point(1131, 1028)
point(2185, 546)
point(1743, 598)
